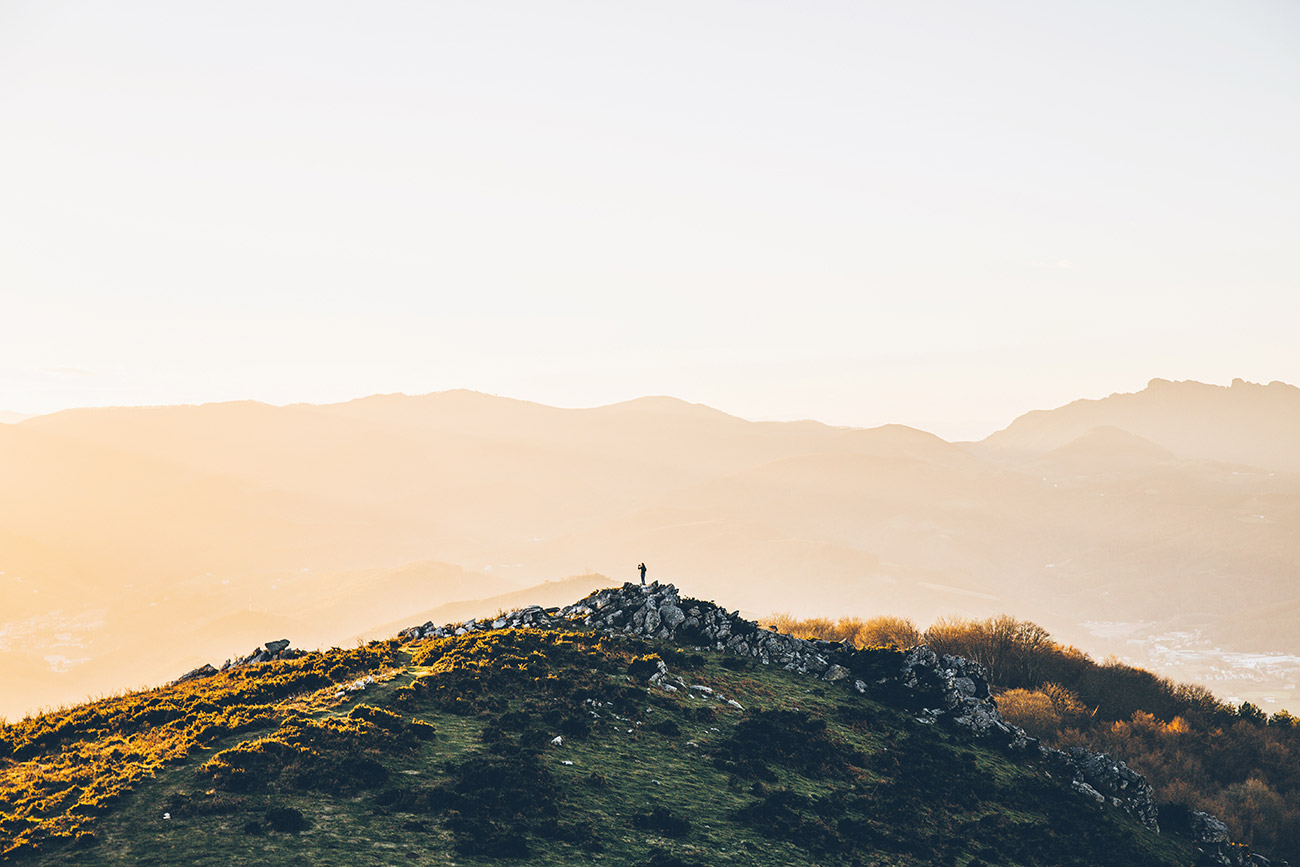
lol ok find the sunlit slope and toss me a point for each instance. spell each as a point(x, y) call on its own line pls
point(1244, 423)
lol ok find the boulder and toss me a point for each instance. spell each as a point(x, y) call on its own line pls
point(1088, 791)
point(1205, 828)
point(201, 671)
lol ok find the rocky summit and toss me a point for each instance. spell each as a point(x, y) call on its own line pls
point(634, 727)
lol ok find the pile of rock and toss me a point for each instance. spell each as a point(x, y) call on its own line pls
point(532, 617)
point(1099, 778)
point(272, 651)
point(657, 611)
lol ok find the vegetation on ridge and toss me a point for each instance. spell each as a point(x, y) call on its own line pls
point(545, 747)
point(1197, 752)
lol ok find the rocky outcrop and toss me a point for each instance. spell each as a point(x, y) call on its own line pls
point(1102, 779)
point(272, 651)
point(1207, 829)
point(532, 617)
point(202, 671)
point(1216, 846)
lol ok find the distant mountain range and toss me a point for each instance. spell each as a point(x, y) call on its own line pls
point(135, 539)
point(1245, 423)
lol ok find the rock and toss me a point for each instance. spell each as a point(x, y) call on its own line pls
point(835, 672)
point(1207, 829)
point(671, 616)
point(1088, 791)
point(1116, 780)
point(274, 647)
point(202, 671)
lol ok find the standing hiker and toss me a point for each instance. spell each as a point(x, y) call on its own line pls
point(642, 568)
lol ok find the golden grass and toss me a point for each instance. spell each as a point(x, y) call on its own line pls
point(60, 769)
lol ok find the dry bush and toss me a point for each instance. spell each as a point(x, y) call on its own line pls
point(1032, 710)
point(876, 632)
point(1073, 712)
point(1014, 651)
point(889, 631)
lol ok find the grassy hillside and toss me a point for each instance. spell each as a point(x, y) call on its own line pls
point(542, 746)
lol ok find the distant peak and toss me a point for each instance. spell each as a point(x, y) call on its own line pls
point(661, 404)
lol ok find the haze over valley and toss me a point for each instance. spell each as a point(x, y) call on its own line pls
point(136, 542)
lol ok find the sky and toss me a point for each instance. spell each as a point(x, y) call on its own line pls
point(941, 214)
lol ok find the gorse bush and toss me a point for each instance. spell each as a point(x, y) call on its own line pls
point(60, 770)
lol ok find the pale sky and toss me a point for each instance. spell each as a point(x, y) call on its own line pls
point(938, 214)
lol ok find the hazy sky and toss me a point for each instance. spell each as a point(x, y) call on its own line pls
point(941, 214)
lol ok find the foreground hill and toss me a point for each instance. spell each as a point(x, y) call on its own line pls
point(634, 728)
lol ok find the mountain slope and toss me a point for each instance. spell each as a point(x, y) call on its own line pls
point(551, 742)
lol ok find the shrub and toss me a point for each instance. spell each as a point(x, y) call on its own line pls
point(1032, 710)
point(663, 821)
point(644, 667)
point(286, 820)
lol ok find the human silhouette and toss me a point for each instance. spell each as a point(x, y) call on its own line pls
point(642, 568)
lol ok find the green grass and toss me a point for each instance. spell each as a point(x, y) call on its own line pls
point(865, 784)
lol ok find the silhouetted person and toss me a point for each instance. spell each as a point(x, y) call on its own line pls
point(642, 568)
